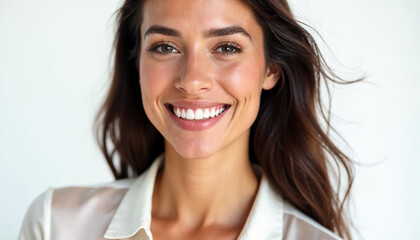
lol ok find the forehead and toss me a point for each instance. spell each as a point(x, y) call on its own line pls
point(199, 15)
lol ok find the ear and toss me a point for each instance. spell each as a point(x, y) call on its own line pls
point(272, 76)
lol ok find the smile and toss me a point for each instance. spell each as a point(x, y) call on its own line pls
point(196, 116)
point(199, 113)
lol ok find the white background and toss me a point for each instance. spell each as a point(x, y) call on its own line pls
point(54, 70)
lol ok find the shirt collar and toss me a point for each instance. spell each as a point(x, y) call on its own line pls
point(135, 210)
point(265, 220)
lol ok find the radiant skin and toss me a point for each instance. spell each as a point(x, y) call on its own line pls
point(202, 55)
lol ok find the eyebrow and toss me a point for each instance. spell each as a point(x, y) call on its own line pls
point(218, 32)
point(214, 32)
point(162, 30)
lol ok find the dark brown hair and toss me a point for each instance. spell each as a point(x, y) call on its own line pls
point(287, 139)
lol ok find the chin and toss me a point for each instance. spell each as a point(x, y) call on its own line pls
point(196, 150)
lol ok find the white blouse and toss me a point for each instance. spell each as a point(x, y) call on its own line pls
point(122, 210)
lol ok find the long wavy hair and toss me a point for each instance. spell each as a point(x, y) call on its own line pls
point(287, 139)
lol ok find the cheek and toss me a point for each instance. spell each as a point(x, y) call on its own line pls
point(152, 85)
point(148, 83)
point(155, 78)
point(241, 80)
point(244, 83)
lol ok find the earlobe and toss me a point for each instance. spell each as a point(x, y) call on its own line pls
point(272, 76)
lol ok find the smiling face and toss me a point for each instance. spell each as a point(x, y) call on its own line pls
point(202, 70)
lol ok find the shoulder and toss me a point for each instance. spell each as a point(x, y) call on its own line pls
point(100, 197)
point(77, 196)
point(58, 207)
point(297, 225)
point(36, 222)
point(272, 217)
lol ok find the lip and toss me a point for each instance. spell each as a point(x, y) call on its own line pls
point(196, 104)
point(196, 125)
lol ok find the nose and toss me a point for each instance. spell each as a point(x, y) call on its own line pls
point(195, 76)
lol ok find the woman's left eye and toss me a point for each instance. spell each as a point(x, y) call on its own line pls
point(228, 48)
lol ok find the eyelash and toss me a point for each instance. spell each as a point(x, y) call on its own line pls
point(154, 48)
point(235, 46)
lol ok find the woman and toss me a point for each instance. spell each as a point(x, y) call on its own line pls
point(214, 106)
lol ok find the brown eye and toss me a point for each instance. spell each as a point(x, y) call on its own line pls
point(166, 48)
point(228, 48)
point(163, 48)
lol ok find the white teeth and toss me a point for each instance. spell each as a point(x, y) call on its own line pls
point(190, 114)
point(213, 112)
point(199, 113)
point(206, 113)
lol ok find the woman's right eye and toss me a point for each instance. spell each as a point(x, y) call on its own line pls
point(162, 48)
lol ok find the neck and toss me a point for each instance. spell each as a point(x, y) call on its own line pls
point(199, 192)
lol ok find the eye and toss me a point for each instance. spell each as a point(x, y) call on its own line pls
point(162, 48)
point(228, 48)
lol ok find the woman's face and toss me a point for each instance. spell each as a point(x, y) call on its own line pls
point(202, 71)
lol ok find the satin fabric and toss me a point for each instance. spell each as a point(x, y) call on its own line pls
point(122, 210)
